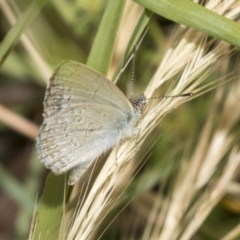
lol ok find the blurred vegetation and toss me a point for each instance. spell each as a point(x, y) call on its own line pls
point(66, 30)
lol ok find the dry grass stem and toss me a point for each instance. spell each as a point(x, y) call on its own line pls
point(18, 123)
point(154, 216)
point(213, 195)
point(214, 144)
point(181, 214)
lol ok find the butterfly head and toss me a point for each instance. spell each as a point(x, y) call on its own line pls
point(138, 102)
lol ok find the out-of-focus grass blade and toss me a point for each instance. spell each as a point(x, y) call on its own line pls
point(16, 191)
point(49, 213)
point(193, 15)
point(103, 46)
point(15, 32)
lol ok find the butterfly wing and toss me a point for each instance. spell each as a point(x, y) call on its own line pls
point(84, 114)
point(75, 136)
point(73, 82)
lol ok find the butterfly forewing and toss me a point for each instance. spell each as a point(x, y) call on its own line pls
point(73, 82)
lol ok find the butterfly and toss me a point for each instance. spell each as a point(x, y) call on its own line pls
point(85, 115)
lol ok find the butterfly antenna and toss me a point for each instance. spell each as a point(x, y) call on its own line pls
point(133, 69)
point(173, 96)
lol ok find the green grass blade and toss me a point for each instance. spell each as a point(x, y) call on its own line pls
point(193, 15)
point(14, 34)
point(49, 214)
point(103, 46)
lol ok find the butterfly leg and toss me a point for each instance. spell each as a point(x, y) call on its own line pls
point(78, 171)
